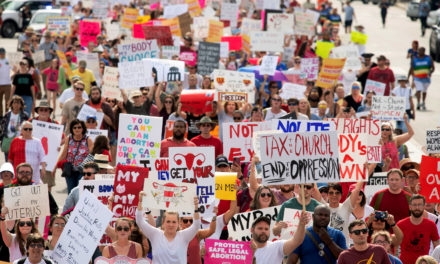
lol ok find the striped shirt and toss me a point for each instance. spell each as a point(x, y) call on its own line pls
point(421, 67)
point(30, 151)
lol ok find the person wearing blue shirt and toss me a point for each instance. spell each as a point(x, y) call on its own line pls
point(424, 9)
point(322, 244)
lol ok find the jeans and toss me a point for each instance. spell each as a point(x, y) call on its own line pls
point(401, 124)
point(28, 100)
point(424, 24)
point(73, 181)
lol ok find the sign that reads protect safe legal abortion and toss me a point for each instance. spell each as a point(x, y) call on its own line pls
point(430, 179)
point(27, 201)
point(388, 107)
point(221, 251)
point(305, 157)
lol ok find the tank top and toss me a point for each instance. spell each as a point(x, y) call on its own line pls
point(131, 251)
point(77, 151)
point(390, 149)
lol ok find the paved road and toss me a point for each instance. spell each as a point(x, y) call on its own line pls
point(393, 41)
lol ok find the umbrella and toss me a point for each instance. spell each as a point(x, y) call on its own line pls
point(278, 76)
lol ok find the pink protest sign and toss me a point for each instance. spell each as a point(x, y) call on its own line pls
point(138, 32)
point(190, 58)
point(218, 251)
point(88, 31)
point(235, 42)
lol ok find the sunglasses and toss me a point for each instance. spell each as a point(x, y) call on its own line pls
point(275, 87)
point(308, 187)
point(185, 221)
point(334, 193)
point(137, 96)
point(266, 194)
point(144, 94)
point(23, 64)
point(297, 62)
point(28, 223)
point(358, 232)
point(168, 102)
point(237, 118)
point(379, 220)
point(125, 228)
point(276, 100)
point(205, 125)
point(43, 110)
point(386, 129)
point(59, 225)
point(92, 121)
point(36, 245)
point(79, 89)
point(89, 173)
point(355, 87)
point(27, 129)
point(77, 127)
point(292, 104)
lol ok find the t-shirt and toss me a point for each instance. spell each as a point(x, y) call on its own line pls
point(5, 71)
point(339, 217)
point(87, 77)
point(14, 250)
point(395, 204)
point(348, 13)
point(47, 46)
point(421, 67)
point(23, 83)
point(30, 151)
point(294, 204)
point(147, 108)
point(14, 125)
point(270, 115)
point(206, 142)
point(384, 76)
point(271, 253)
point(308, 253)
point(167, 143)
point(52, 78)
point(71, 110)
point(403, 92)
point(416, 239)
point(28, 262)
point(394, 260)
point(376, 253)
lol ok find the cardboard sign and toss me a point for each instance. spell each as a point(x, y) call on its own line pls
point(139, 137)
point(377, 87)
point(229, 12)
point(92, 60)
point(433, 141)
point(201, 27)
point(134, 74)
point(377, 182)
point(14, 58)
point(215, 31)
point(138, 50)
point(83, 232)
point(63, 62)
point(174, 26)
point(429, 175)
point(50, 135)
point(58, 24)
point(113, 31)
point(168, 52)
point(93, 133)
point(38, 56)
point(280, 22)
point(234, 86)
point(88, 31)
point(161, 166)
point(122, 260)
point(208, 57)
point(129, 18)
point(291, 218)
point(235, 42)
point(87, 110)
point(129, 181)
point(330, 71)
point(305, 23)
point(110, 86)
point(292, 90)
point(388, 107)
point(160, 33)
point(190, 58)
point(197, 101)
point(368, 126)
point(27, 201)
point(169, 195)
point(224, 50)
point(172, 11)
point(267, 41)
point(351, 53)
point(287, 158)
point(166, 70)
point(224, 185)
point(217, 251)
point(185, 21)
point(240, 225)
point(268, 65)
point(194, 7)
point(323, 48)
point(248, 25)
point(195, 165)
point(310, 67)
point(352, 157)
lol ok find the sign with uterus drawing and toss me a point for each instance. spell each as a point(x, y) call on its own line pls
point(195, 165)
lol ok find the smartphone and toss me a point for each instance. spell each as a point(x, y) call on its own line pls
point(237, 161)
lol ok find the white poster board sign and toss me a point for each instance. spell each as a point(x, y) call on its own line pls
point(166, 70)
point(134, 74)
point(234, 86)
point(377, 87)
point(137, 50)
point(388, 107)
point(28, 201)
point(267, 41)
point(92, 60)
point(87, 110)
point(292, 90)
point(50, 135)
point(433, 141)
point(110, 86)
point(93, 133)
point(310, 67)
point(268, 65)
point(377, 182)
point(281, 22)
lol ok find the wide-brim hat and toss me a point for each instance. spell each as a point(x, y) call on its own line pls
point(407, 161)
point(206, 120)
point(29, 30)
point(7, 167)
point(43, 104)
point(102, 161)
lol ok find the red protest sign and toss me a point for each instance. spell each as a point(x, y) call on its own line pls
point(235, 42)
point(429, 179)
point(88, 31)
point(197, 101)
point(161, 33)
point(138, 32)
point(129, 181)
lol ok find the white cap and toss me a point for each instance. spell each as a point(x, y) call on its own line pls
point(7, 167)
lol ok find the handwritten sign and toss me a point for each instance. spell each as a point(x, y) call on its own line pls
point(388, 107)
point(429, 173)
point(248, 25)
point(217, 251)
point(304, 157)
point(134, 74)
point(288, 126)
point(121, 260)
point(129, 181)
point(27, 201)
point(101, 189)
point(292, 90)
point(172, 11)
point(159, 166)
point(14, 58)
point(268, 65)
point(433, 141)
point(201, 27)
point(194, 7)
point(63, 62)
point(160, 33)
point(208, 57)
point(87, 110)
point(129, 18)
point(58, 24)
point(310, 67)
point(185, 21)
point(215, 31)
point(138, 50)
point(358, 37)
point(351, 53)
point(166, 70)
point(93, 133)
point(291, 218)
point(281, 22)
point(323, 48)
point(83, 231)
point(229, 12)
point(110, 87)
point(88, 31)
point(234, 86)
point(267, 41)
point(38, 56)
point(224, 185)
point(50, 135)
point(352, 157)
point(305, 23)
point(377, 87)
point(139, 137)
point(331, 69)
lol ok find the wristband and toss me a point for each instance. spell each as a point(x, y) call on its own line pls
point(2, 218)
point(393, 225)
point(148, 212)
point(196, 211)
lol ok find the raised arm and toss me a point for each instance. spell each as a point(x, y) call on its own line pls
point(401, 139)
point(397, 237)
point(298, 238)
point(6, 236)
point(253, 178)
point(144, 226)
point(231, 212)
point(157, 98)
point(205, 233)
point(189, 233)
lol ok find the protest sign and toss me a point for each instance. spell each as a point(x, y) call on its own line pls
point(83, 232)
point(174, 26)
point(240, 225)
point(92, 60)
point(129, 18)
point(229, 11)
point(113, 31)
point(376, 182)
point(172, 11)
point(110, 86)
point(305, 23)
point(159, 166)
point(101, 189)
point(169, 51)
point(388, 107)
point(368, 126)
point(197, 101)
point(169, 195)
point(166, 70)
point(138, 50)
point(129, 181)
point(14, 58)
point(195, 165)
point(190, 58)
point(295, 76)
point(433, 141)
point(93, 133)
point(194, 7)
point(235, 42)
point(215, 31)
point(288, 126)
point(208, 57)
point(331, 69)
point(267, 41)
point(138, 32)
point(291, 218)
point(100, 8)
point(377, 87)
point(50, 135)
point(88, 31)
point(58, 24)
point(286, 158)
point(429, 179)
point(224, 185)
point(234, 86)
point(221, 251)
point(122, 260)
point(268, 65)
point(280, 22)
point(201, 27)
point(352, 157)
point(160, 33)
point(38, 56)
point(134, 74)
point(246, 41)
point(224, 49)
point(351, 53)
point(27, 201)
point(292, 90)
point(248, 25)
point(358, 37)
point(63, 62)
point(185, 21)
point(87, 110)
point(137, 139)
point(105, 177)
point(323, 48)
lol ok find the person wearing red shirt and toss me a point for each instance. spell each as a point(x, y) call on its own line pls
point(418, 232)
point(382, 73)
point(205, 139)
point(177, 140)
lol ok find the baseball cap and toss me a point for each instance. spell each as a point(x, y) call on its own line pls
point(221, 161)
point(2, 51)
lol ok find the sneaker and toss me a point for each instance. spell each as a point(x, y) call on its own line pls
point(418, 106)
point(423, 107)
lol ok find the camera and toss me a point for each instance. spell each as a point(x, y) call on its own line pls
point(380, 215)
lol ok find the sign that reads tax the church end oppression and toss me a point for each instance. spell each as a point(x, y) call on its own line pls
point(292, 158)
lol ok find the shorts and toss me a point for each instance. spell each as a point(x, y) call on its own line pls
point(113, 140)
point(348, 23)
point(48, 179)
point(421, 86)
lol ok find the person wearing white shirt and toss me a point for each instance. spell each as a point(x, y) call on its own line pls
point(404, 91)
point(5, 80)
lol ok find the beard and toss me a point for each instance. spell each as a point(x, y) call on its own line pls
point(178, 135)
point(313, 99)
point(417, 214)
point(22, 181)
point(286, 189)
point(95, 101)
point(261, 238)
